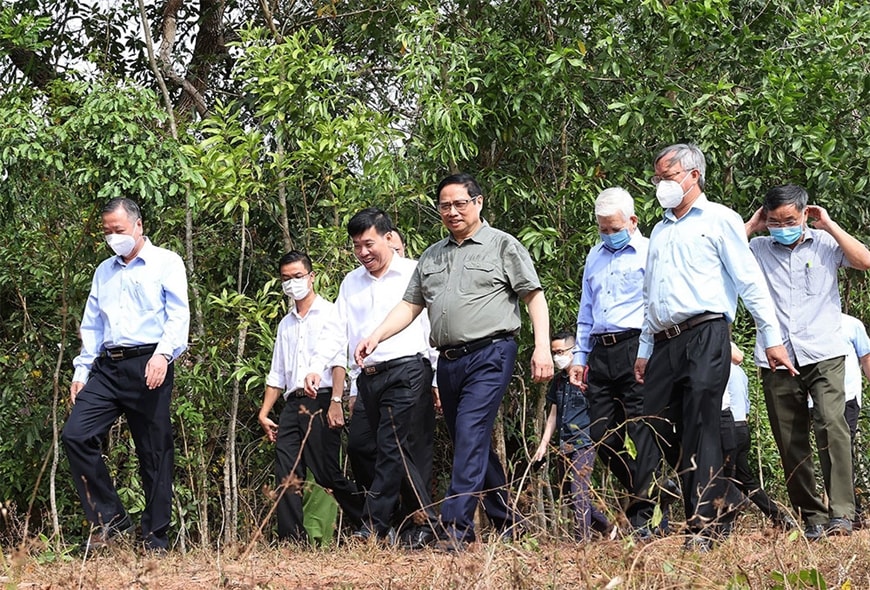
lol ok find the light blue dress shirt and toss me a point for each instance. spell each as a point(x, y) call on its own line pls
point(701, 262)
point(143, 302)
point(859, 344)
point(736, 397)
point(805, 289)
point(612, 295)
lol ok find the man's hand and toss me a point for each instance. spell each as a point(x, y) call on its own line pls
point(777, 356)
point(155, 371)
point(820, 214)
point(269, 427)
point(640, 369)
point(540, 453)
point(335, 415)
point(542, 364)
point(577, 375)
point(74, 389)
point(756, 223)
point(364, 349)
point(436, 400)
point(312, 382)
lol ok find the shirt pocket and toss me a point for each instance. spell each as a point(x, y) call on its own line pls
point(147, 295)
point(816, 279)
point(434, 280)
point(477, 277)
point(630, 282)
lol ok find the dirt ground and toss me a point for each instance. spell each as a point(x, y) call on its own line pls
point(749, 559)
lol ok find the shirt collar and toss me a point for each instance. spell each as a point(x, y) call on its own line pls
point(700, 203)
point(317, 305)
point(392, 268)
point(146, 253)
point(475, 237)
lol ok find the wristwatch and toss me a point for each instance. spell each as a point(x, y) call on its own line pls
point(335, 400)
point(168, 357)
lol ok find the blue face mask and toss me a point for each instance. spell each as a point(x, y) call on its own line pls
point(786, 235)
point(616, 241)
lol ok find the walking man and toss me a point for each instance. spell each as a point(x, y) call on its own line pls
point(471, 283)
point(134, 326)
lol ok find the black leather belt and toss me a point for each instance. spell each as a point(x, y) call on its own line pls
point(740, 423)
point(614, 337)
point(390, 364)
point(451, 353)
point(300, 391)
point(127, 352)
point(690, 323)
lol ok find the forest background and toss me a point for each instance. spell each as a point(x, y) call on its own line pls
point(245, 129)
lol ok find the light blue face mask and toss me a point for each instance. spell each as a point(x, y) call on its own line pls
point(787, 235)
point(616, 241)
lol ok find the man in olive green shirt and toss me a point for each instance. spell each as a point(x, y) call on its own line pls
point(471, 283)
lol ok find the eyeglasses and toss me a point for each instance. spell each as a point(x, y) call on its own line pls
point(297, 276)
point(558, 351)
point(672, 176)
point(459, 204)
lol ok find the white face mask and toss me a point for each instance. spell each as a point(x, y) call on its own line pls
point(296, 288)
point(121, 244)
point(561, 361)
point(669, 193)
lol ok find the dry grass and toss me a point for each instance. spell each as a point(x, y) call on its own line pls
point(746, 560)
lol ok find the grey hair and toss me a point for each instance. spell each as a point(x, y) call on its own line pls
point(614, 200)
point(689, 156)
point(128, 205)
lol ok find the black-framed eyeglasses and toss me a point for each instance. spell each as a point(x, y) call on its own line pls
point(459, 204)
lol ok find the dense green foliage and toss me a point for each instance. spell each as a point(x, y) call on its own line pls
point(370, 104)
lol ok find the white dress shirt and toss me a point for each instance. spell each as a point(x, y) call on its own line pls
point(363, 303)
point(297, 343)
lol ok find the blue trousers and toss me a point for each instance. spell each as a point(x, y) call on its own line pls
point(115, 388)
point(471, 389)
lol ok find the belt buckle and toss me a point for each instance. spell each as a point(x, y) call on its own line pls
point(673, 331)
point(608, 339)
point(448, 354)
point(371, 370)
point(115, 355)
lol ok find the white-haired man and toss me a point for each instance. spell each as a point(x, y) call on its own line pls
point(608, 327)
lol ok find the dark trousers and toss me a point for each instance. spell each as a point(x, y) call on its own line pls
point(305, 441)
point(684, 382)
point(471, 389)
point(735, 448)
point(786, 400)
point(615, 405)
point(362, 445)
point(391, 399)
point(362, 450)
point(587, 518)
point(852, 413)
point(115, 388)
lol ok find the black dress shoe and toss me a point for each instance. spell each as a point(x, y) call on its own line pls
point(838, 526)
point(814, 532)
point(417, 537)
point(364, 533)
point(105, 535)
